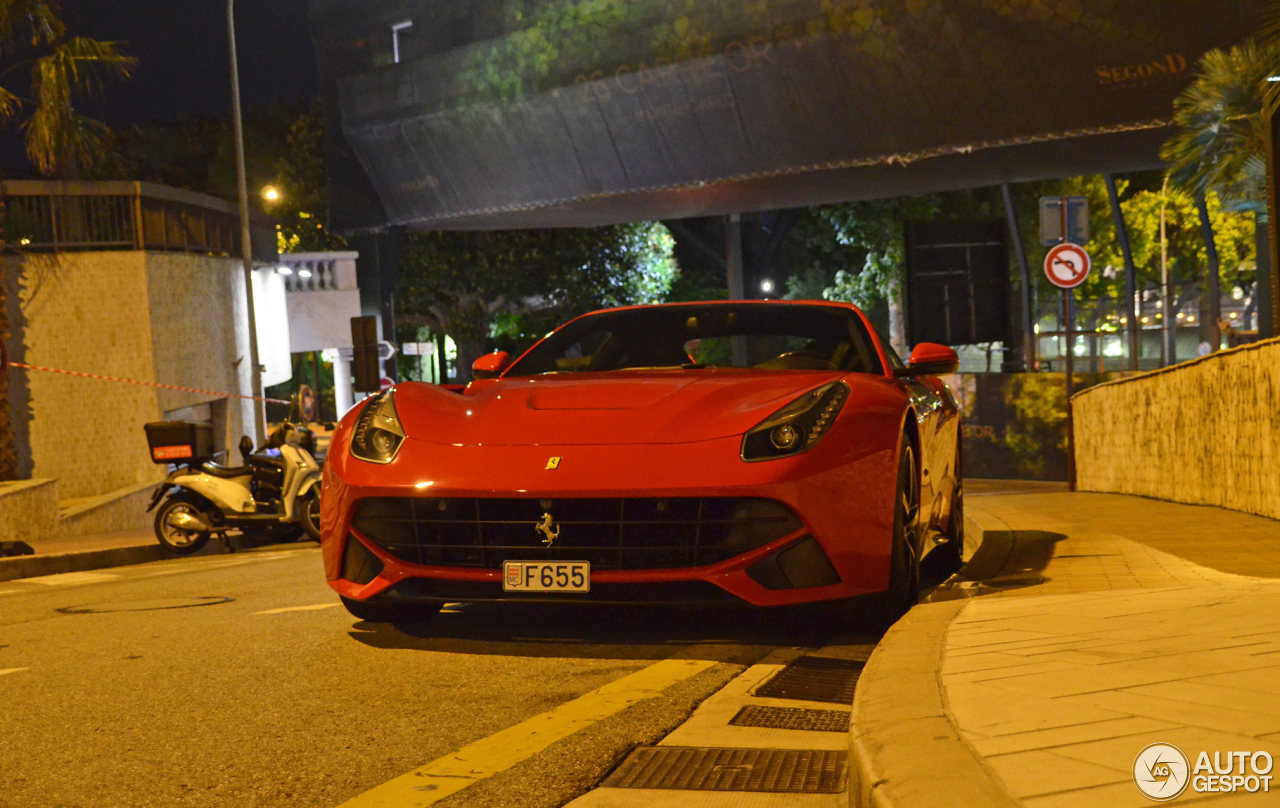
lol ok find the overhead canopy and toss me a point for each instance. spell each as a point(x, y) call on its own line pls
point(528, 113)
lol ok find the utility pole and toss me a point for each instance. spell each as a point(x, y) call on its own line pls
point(1271, 283)
point(246, 247)
point(1166, 308)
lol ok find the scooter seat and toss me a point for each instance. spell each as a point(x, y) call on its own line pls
point(219, 470)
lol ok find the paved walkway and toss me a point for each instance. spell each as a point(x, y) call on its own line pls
point(1095, 625)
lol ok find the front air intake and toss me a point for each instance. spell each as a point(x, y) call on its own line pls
point(359, 566)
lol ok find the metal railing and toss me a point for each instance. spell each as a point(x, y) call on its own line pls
point(57, 216)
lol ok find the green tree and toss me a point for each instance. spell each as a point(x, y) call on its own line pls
point(42, 73)
point(516, 285)
point(284, 151)
point(876, 229)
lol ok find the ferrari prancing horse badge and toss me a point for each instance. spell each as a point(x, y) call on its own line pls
point(553, 463)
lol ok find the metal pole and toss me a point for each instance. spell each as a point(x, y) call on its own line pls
point(1028, 332)
point(1130, 272)
point(1067, 313)
point(1166, 307)
point(1271, 281)
point(246, 247)
point(1212, 290)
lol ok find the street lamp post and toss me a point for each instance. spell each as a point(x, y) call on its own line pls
point(246, 249)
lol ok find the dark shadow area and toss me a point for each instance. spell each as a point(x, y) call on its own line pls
point(741, 636)
point(1006, 559)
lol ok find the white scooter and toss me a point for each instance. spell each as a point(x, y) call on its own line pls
point(276, 491)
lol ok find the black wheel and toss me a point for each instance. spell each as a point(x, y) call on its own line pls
point(904, 563)
point(381, 612)
point(309, 514)
point(173, 535)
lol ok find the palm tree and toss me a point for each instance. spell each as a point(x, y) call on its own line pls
point(1222, 125)
point(42, 72)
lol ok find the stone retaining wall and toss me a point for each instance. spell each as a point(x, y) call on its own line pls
point(1205, 432)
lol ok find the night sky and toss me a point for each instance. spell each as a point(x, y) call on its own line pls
point(182, 48)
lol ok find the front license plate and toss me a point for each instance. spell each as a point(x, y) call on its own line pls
point(546, 576)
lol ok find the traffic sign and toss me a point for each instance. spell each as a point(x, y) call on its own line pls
point(1067, 265)
point(306, 403)
point(385, 350)
point(1064, 218)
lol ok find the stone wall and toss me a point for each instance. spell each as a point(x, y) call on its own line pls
point(172, 318)
point(1205, 432)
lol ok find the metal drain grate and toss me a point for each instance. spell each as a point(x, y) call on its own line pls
point(814, 679)
point(767, 770)
point(754, 715)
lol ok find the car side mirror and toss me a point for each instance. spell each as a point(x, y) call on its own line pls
point(930, 359)
point(490, 366)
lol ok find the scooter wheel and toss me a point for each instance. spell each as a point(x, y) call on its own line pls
point(309, 516)
point(173, 538)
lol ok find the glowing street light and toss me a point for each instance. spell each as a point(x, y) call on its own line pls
point(766, 286)
point(270, 193)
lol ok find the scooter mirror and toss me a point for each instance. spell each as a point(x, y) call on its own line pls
point(246, 447)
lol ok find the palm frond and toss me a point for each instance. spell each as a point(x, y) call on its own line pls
point(32, 21)
point(72, 68)
point(1220, 118)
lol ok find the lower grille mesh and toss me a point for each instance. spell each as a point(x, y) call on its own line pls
point(612, 533)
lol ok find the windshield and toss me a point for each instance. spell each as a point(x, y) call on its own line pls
point(762, 336)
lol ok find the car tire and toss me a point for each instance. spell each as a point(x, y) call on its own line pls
point(179, 542)
point(309, 515)
point(381, 612)
point(904, 561)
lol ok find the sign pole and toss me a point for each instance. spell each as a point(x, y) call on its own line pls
point(1071, 426)
point(1066, 266)
point(1069, 339)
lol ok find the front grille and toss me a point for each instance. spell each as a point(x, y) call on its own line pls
point(612, 534)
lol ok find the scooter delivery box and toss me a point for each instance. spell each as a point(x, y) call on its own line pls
point(179, 441)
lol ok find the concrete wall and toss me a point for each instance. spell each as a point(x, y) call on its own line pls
point(1205, 432)
point(29, 510)
point(171, 318)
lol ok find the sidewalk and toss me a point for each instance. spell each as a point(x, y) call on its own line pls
point(83, 553)
point(1089, 626)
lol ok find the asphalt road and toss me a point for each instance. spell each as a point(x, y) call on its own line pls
point(239, 680)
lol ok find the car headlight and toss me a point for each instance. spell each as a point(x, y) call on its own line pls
point(378, 434)
point(796, 427)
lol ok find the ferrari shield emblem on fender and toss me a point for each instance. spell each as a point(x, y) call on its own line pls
point(553, 463)
point(548, 528)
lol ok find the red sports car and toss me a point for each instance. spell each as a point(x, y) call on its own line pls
point(764, 453)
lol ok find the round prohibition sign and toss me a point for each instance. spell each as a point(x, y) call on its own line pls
point(1067, 265)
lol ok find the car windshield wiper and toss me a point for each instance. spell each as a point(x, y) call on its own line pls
point(696, 366)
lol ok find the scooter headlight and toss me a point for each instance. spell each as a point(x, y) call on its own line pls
point(378, 434)
point(796, 427)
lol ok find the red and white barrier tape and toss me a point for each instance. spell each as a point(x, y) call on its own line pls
point(143, 384)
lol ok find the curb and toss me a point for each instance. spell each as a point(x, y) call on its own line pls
point(32, 566)
point(904, 750)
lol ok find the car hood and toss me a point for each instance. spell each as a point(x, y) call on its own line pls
point(621, 407)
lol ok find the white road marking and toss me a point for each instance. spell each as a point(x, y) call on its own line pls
point(3, 671)
point(67, 578)
point(300, 608)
